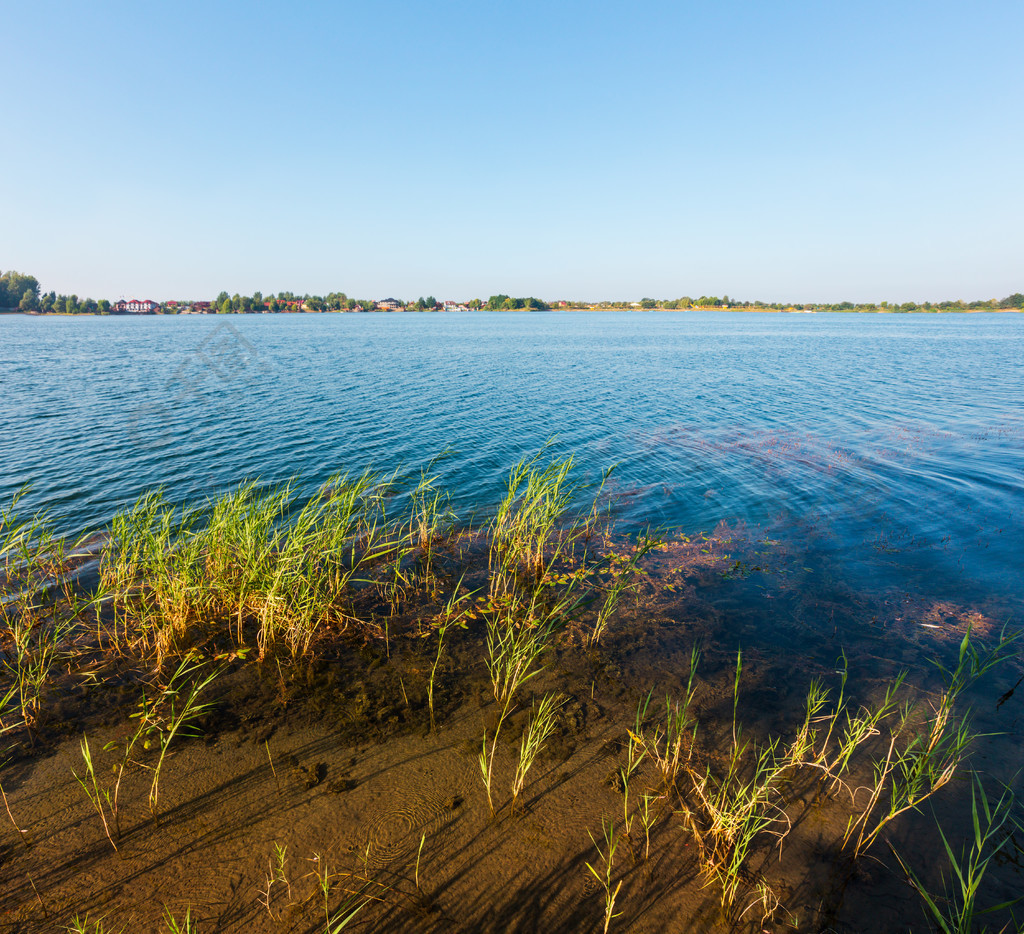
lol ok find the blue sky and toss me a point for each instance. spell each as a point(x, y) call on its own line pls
point(817, 151)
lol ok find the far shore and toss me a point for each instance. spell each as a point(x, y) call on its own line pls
point(732, 310)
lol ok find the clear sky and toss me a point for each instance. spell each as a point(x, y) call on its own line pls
point(802, 151)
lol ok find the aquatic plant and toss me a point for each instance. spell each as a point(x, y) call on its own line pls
point(451, 615)
point(100, 798)
point(185, 926)
point(910, 774)
point(82, 924)
point(664, 742)
point(956, 911)
point(623, 572)
point(524, 525)
point(542, 725)
point(183, 701)
point(604, 874)
point(277, 874)
point(38, 608)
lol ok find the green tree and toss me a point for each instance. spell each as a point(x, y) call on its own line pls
point(648, 303)
point(29, 301)
point(13, 286)
point(1013, 301)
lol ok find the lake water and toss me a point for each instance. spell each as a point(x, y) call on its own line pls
point(890, 447)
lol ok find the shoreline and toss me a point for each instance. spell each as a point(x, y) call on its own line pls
point(518, 311)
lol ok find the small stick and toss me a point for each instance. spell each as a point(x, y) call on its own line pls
point(270, 759)
point(24, 833)
point(46, 914)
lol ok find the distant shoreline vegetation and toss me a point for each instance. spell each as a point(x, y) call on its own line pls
point(20, 292)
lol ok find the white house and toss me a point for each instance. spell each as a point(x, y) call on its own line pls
point(136, 306)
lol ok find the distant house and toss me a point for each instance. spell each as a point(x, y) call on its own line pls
point(455, 306)
point(136, 306)
point(203, 308)
point(390, 304)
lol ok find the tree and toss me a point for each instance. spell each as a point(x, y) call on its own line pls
point(648, 303)
point(103, 306)
point(1013, 301)
point(29, 301)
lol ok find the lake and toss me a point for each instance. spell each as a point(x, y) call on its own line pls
point(891, 443)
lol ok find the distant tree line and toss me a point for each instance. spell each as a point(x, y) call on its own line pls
point(20, 291)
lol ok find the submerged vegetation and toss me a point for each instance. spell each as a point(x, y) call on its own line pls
point(370, 603)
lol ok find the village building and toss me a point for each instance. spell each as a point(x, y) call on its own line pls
point(136, 306)
point(390, 304)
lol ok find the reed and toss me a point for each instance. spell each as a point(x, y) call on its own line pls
point(432, 518)
point(604, 874)
point(277, 874)
point(536, 499)
point(542, 725)
point(100, 798)
point(35, 648)
point(84, 925)
point(735, 811)
point(909, 774)
point(184, 707)
point(37, 610)
point(450, 616)
point(351, 905)
point(622, 571)
point(956, 910)
point(185, 926)
point(664, 743)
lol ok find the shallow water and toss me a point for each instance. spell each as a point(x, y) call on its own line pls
point(892, 444)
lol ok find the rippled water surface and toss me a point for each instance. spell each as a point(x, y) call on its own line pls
point(892, 445)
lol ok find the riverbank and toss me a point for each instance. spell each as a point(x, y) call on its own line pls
point(300, 710)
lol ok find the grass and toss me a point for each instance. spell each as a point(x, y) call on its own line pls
point(542, 725)
point(604, 871)
point(622, 570)
point(956, 911)
point(177, 707)
point(454, 614)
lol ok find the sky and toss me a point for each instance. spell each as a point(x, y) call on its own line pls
point(789, 151)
